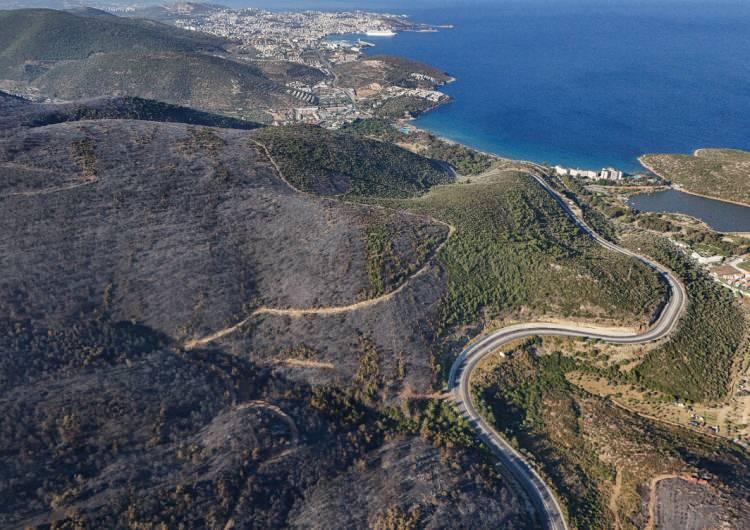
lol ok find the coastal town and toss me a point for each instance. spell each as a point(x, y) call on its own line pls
point(344, 85)
point(354, 86)
point(293, 36)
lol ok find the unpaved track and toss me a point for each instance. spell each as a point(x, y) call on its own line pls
point(652, 498)
point(297, 312)
point(540, 494)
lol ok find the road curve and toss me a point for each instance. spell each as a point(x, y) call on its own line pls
point(539, 493)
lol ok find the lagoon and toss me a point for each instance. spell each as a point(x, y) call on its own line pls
point(719, 215)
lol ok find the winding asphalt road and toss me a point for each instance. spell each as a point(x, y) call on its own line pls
point(458, 383)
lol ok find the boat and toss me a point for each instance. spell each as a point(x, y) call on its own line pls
point(380, 33)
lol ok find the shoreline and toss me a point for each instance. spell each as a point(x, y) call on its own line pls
point(684, 190)
point(400, 122)
point(449, 99)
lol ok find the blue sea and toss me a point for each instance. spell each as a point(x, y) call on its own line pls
point(582, 83)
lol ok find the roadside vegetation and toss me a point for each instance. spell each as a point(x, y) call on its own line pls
point(436, 421)
point(696, 363)
point(596, 456)
point(523, 398)
point(515, 249)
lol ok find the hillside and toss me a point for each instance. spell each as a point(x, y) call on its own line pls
point(390, 70)
point(601, 458)
point(120, 239)
point(153, 436)
point(720, 173)
point(332, 163)
point(516, 250)
point(17, 112)
point(211, 189)
point(195, 331)
point(201, 81)
point(66, 56)
point(48, 35)
point(285, 72)
point(514, 256)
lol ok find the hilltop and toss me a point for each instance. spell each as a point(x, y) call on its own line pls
point(122, 238)
point(334, 163)
point(19, 112)
point(720, 173)
point(49, 35)
point(68, 56)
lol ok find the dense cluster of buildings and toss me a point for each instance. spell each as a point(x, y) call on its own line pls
point(607, 173)
point(294, 36)
point(305, 38)
point(732, 276)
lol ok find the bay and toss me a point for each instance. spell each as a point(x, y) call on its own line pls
point(587, 84)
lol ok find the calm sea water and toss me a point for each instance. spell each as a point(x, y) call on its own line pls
point(588, 84)
point(721, 216)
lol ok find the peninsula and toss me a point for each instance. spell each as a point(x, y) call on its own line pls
point(717, 173)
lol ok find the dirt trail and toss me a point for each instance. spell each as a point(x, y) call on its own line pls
point(47, 191)
point(329, 310)
point(325, 310)
point(303, 363)
point(613, 500)
point(274, 164)
point(651, 525)
point(259, 404)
